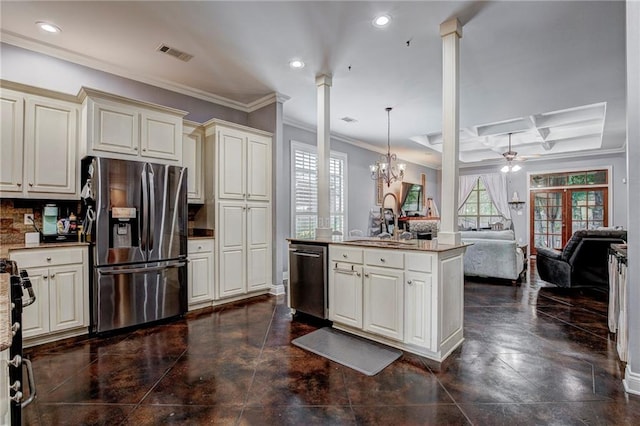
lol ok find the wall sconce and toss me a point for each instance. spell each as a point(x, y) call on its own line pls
point(516, 204)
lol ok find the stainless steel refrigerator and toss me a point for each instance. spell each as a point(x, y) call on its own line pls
point(139, 232)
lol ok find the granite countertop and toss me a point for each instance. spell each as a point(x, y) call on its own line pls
point(6, 248)
point(416, 245)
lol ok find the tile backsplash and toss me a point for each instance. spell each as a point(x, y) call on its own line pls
point(12, 213)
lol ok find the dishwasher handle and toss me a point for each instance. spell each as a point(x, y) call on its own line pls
point(302, 253)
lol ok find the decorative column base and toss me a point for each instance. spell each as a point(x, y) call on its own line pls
point(452, 238)
point(324, 233)
point(631, 381)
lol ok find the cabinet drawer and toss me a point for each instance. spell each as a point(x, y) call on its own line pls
point(345, 254)
point(420, 262)
point(199, 246)
point(46, 257)
point(384, 258)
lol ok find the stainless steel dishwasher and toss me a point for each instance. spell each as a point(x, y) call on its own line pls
point(308, 279)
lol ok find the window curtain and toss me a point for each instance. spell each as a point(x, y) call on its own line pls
point(466, 186)
point(496, 185)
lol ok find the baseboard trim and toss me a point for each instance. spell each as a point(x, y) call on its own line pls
point(631, 381)
point(277, 290)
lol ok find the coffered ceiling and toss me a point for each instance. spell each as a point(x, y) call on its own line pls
point(551, 73)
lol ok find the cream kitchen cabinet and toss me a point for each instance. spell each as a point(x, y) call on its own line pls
point(60, 280)
point(409, 299)
point(370, 297)
point(238, 206)
point(121, 128)
point(345, 290)
point(12, 141)
point(201, 273)
point(39, 147)
point(383, 299)
point(243, 248)
point(243, 164)
point(193, 160)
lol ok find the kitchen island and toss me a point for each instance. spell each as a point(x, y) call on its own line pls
point(408, 294)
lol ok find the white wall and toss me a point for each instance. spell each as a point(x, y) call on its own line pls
point(518, 182)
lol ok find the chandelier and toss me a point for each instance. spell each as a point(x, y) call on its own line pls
point(384, 169)
point(510, 156)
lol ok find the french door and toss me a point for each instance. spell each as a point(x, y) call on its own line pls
point(557, 213)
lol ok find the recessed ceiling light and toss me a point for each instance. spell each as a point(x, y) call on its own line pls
point(381, 21)
point(48, 27)
point(296, 64)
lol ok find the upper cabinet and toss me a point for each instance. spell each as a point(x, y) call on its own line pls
point(243, 163)
point(193, 160)
point(39, 146)
point(121, 128)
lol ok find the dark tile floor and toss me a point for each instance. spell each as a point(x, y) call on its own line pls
point(532, 355)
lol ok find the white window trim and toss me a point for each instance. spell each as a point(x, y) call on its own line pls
point(295, 145)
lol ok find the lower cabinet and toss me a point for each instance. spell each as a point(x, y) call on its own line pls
point(384, 302)
point(243, 238)
point(418, 297)
point(400, 298)
point(60, 281)
point(345, 289)
point(200, 272)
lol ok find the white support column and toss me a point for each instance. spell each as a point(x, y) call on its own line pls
point(451, 32)
point(632, 372)
point(323, 84)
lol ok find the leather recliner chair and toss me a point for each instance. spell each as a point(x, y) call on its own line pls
point(583, 262)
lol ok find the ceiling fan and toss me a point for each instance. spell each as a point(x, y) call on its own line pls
point(511, 156)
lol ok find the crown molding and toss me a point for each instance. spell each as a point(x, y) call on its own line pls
point(97, 64)
point(267, 100)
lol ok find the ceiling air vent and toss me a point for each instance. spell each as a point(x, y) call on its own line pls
point(183, 56)
point(348, 120)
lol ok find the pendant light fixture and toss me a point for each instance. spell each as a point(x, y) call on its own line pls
point(510, 157)
point(384, 168)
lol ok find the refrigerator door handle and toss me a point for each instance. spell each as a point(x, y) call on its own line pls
point(152, 210)
point(144, 269)
point(145, 210)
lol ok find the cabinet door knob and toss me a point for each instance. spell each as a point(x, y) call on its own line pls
point(44, 277)
point(30, 184)
point(344, 255)
point(409, 282)
point(357, 274)
point(144, 149)
point(135, 148)
point(366, 274)
point(382, 259)
point(199, 247)
point(16, 361)
point(53, 275)
point(19, 185)
point(48, 259)
point(17, 397)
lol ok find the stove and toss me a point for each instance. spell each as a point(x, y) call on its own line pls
point(14, 361)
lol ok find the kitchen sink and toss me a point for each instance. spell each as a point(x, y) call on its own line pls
point(384, 243)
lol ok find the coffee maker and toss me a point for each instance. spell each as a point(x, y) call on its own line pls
point(50, 220)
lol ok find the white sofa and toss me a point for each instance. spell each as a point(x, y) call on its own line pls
point(493, 254)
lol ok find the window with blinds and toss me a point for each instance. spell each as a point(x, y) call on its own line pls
point(304, 178)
